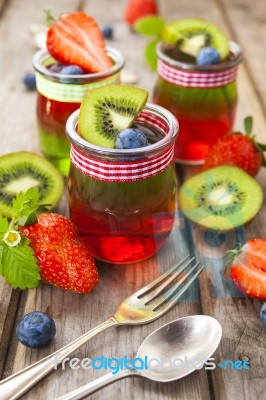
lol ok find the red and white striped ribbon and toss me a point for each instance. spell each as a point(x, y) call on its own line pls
point(196, 79)
point(125, 171)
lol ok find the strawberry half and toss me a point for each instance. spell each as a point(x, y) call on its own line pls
point(63, 260)
point(248, 269)
point(77, 39)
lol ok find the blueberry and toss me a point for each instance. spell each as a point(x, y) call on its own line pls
point(107, 31)
point(29, 80)
point(263, 314)
point(207, 56)
point(71, 70)
point(131, 139)
point(35, 329)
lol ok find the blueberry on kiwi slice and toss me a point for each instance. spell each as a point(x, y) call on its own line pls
point(22, 170)
point(221, 198)
point(108, 110)
point(190, 35)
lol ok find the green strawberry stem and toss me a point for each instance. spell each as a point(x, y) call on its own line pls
point(248, 124)
point(49, 19)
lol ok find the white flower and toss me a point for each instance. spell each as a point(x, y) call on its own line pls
point(12, 238)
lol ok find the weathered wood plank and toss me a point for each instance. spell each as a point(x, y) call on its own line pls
point(243, 333)
point(18, 126)
point(248, 23)
point(75, 314)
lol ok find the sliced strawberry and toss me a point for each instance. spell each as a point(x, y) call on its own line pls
point(248, 269)
point(76, 39)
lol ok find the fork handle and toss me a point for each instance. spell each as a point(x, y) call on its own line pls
point(16, 385)
point(97, 384)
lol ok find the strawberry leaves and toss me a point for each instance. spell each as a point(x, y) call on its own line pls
point(18, 265)
point(248, 124)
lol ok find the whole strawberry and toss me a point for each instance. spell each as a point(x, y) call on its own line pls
point(238, 149)
point(77, 39)
point(136, 9)
point(63, 260)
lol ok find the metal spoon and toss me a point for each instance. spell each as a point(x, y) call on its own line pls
point(171, 352)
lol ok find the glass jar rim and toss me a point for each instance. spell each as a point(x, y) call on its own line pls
point(235, 49)
point(151, 149)
point(43, 54)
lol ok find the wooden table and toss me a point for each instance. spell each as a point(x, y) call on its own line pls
point(243, 333)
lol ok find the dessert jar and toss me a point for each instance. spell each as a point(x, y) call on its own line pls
point(123, 202)
point(203, 99)
point(58, 96)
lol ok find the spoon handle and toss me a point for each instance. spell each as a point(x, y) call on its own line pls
point(97, 384)
point(16, 385)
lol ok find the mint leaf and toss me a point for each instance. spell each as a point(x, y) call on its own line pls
point(150, 54)
point(3, 224)
point(149, 26)
point(19, 265)
point(248, 122)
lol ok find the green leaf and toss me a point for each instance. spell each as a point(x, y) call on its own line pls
point(248, 122)
point(30, 219)
point(19, 266)
point(1, 255)
point(149, 26)
point(25, 202)
point(3, 224)
point(150, 54)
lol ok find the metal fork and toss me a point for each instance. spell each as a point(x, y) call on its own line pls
point(143, 306)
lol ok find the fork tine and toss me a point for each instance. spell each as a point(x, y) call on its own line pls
point(148, 287)
point(152, 295)
point(175, 288)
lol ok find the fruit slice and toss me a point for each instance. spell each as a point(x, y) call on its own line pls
point(108, 110)
point(190, 35)
point(77, 39)
point(221, 198)
point(248, 269)
point(22, 170)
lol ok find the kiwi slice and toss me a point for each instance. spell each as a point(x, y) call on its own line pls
point(221, 198)
point(22, 170)
point(108, 110)
point(191, 34)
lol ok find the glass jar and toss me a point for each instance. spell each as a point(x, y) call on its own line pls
point(203, 99)
point(58, 96)
point(123, 202)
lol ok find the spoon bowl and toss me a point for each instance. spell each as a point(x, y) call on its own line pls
point(167, 354)
point(179, 347)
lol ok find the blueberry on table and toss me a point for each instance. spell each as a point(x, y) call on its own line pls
point(107, 31)
point(131, 139)
point(29, 80)
point(263, 314)
point(35, 329)
point(71, 70)
point(207, 56)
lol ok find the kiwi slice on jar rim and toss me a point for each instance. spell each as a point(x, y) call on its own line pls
point(221, 198)
point(190, 35)
point(106, 111)
point(20, 171)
